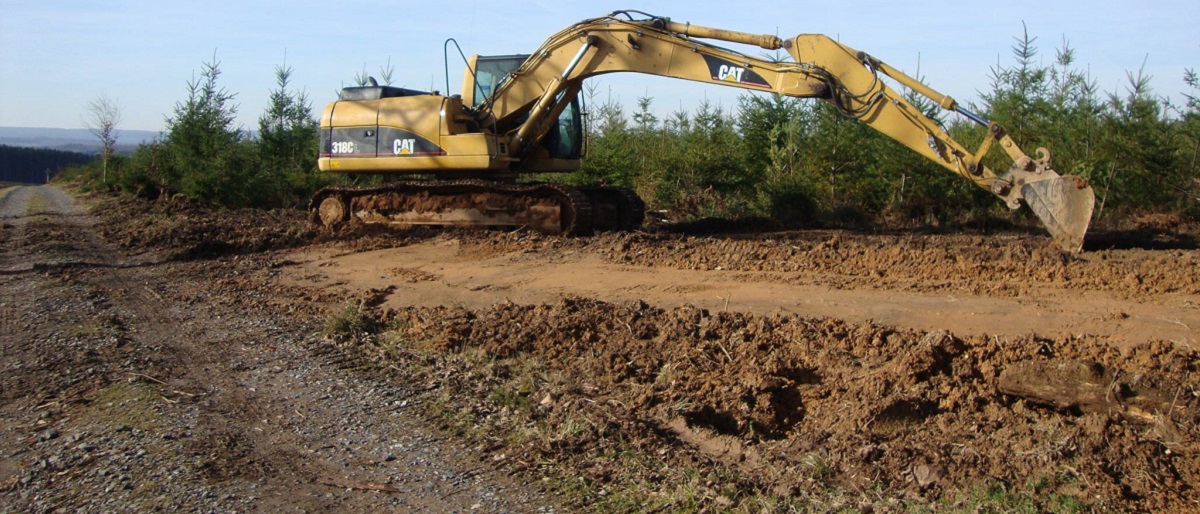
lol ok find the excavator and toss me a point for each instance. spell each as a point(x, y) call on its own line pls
point(520, 115)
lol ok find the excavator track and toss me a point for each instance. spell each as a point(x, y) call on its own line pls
point(615, 208)
point(547, 208)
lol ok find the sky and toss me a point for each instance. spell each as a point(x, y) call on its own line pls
point(57, 56)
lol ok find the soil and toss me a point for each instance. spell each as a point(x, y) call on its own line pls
point(1004, 285)
point(166, 356)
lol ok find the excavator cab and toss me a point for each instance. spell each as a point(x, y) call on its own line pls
point(564, 141)
point(490, 72)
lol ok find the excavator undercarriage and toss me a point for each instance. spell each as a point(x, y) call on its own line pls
point(546, 208)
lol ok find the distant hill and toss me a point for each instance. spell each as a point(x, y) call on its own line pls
point(71, 140)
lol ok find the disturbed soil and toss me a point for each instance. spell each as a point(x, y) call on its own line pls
point(165, 356)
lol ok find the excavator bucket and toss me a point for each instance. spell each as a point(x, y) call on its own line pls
point(1064, 204)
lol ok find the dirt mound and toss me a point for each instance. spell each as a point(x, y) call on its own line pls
point(999, 264)
point(187, 230)
point(795, 404)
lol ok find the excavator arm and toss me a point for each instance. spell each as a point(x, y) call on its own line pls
point(522, 109)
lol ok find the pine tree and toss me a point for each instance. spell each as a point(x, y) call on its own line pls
point(610, 159)
point(287, 143)
point(760, 121)
point(1138, 142)
point(205, 158)
point(1189, 144)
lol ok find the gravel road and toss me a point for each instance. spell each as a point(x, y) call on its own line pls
point(130, 383)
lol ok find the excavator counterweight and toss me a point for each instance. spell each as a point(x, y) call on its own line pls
point(519, 115)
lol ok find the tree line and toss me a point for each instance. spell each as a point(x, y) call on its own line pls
point(786, 159)
point(205, 157)
point(36, 165)
point(798, 160)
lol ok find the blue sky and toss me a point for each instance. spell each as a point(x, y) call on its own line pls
point(56, 56)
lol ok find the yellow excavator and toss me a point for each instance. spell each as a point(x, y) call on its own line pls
point(519, 114)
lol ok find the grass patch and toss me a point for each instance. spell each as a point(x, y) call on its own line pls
point(994, 497)
point(346, 321)
point(4, 191)
point(132, 404)
point(36, 205)
point(513, 400)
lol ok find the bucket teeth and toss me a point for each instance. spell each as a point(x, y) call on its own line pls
point(1064, 205)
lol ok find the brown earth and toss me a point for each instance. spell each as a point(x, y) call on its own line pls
point(810, 370)
point(1004, 285)
point(873, 362)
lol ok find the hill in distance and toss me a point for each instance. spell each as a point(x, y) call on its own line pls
point(71, 140)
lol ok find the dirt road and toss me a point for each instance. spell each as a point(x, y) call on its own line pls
point(130, 382)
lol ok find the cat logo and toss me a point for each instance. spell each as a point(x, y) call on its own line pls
point(404, 146)
point(729, 73)
point(725, 71)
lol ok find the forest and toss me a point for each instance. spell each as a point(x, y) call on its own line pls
point(36, 165)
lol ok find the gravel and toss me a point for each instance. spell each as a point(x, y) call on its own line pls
point(138, 384)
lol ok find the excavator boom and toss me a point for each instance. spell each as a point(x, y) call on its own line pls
point(822, 68)
point(502, 129)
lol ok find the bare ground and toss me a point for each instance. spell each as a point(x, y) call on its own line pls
point(911, 367)
point(136, 382)
point(813, 370)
